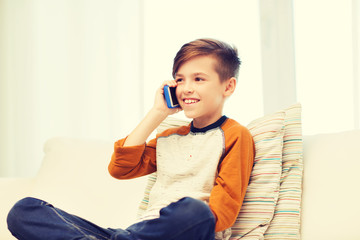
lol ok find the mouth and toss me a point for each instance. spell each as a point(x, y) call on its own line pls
point(190, 100)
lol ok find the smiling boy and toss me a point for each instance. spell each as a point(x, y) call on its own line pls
point(209, 160)
point(202, 169)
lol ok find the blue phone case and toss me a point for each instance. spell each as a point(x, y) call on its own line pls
point(170, 97)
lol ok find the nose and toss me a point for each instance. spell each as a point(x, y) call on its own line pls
point(188, 88)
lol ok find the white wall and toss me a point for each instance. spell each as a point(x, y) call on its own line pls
point(68, 68)
point(277, 54)
point(327, 85)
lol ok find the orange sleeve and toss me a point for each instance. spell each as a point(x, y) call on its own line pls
point(134, 161)
point(234, 172)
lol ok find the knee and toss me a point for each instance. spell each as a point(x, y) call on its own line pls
point(195, 205)
point(24, 205)
point(21, 210)
point(193, 208)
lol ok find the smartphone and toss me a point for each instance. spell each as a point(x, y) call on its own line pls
point(170, 97)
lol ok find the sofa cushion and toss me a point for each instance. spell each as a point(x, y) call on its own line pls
point(331, 193)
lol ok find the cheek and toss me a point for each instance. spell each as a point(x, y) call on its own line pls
point(215, 97)
point(178, 91)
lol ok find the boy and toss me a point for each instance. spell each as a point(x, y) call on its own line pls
point(202, 169)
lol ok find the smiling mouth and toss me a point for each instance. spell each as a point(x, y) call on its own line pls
point(190, 101)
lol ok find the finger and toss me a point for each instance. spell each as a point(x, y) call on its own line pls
point(170, 83)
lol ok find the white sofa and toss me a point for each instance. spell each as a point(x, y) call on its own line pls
point(74, 177)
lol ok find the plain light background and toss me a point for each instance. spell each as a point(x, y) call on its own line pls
point(89, 68)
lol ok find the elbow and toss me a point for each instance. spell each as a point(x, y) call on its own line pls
point(114, 169)
point(120, 173)
point(114, 172)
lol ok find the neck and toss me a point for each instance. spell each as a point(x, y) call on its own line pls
point(204, 122)
point(208, 127)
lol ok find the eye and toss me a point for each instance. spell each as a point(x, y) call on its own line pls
point(178, 80)
point(198, 79)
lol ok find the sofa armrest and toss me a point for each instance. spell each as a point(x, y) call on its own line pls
point(12, 190)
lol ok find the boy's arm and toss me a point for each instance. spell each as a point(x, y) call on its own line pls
point(132, 157)
point(230, 187)
point(153, 118)
point(134, 161)
point(142, 131)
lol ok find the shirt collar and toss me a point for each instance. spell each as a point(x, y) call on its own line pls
point(216, 124)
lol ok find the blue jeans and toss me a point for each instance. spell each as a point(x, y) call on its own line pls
point(185, 219)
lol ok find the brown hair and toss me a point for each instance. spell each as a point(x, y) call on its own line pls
point(228, 62)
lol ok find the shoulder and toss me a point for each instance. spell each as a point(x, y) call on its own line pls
point(236, 134)
point(182, 130)
point(233, 128)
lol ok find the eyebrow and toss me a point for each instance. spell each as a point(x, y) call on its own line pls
point(195, 74)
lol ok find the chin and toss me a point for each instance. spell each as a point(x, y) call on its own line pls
point(190, 115)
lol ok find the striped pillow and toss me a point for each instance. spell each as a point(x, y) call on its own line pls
point(286, 221)
point(145, 201)
point(283, 220)
point(263, 189)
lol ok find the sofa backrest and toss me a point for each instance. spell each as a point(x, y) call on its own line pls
point(74, 177)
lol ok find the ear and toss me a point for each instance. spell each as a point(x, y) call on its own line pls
point(230, 86)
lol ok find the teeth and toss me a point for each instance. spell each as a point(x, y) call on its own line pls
point(190, 101)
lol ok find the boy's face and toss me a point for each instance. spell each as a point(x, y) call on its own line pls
point(199, 90)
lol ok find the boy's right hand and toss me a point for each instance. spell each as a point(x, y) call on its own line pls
point(160, 102)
